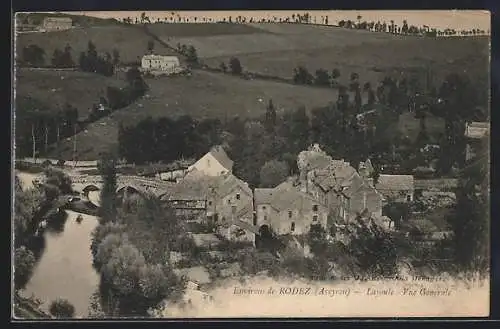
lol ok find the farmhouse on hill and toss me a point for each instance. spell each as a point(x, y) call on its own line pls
point(56, 24)
point(159, 63)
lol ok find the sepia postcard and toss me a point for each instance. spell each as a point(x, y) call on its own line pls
point(248, 164)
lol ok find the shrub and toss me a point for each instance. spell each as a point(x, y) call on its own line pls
point(61, 308)
point(24, 261)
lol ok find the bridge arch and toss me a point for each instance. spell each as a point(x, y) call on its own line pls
point(90, 188)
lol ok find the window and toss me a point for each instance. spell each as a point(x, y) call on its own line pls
point(209, 203)
point(265, 217)
point(315, 207)
point(408, 198)
point(237, 196)
point(289, 214)
point(292, 227)
point(315, 218)
point(255, 221)
point(233, 209)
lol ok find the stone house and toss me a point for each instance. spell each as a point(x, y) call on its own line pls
point(214, 163)
point(222, 198)
point(286, 210)
point(56, 24)
point(337, 185)
point(396, 188)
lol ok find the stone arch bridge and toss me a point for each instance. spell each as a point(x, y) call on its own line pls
point(141, 185)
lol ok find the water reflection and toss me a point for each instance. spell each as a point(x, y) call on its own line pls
point(65, 267)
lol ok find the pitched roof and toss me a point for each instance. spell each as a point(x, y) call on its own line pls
point(395, 183)
point(218, 153)
point(200, 187)
point(284, 196)
point(336, 175)
point(264, 195)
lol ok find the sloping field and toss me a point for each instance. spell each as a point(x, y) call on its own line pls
point(130, 41)
point(165, 30)
point(56, 88)
point(202, 95)
point(371, 55)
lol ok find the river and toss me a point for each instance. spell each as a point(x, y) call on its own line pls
point(65, 268)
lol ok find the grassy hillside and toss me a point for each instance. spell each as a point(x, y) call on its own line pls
point(130, 41)
point(273, 49)
point(371, 55)
point(163, 30)
point(56, 88)
point(202, 95)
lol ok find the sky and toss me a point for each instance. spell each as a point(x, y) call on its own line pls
point(440, 19)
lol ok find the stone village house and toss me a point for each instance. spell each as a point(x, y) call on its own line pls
point(396, 188)
point(337, 185)
point(222, 199)
point(286, 210)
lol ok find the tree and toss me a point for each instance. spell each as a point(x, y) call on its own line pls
point(106, 247)
point(302, 76)
point(27, 205)
point(372, 249)
point(317, 240)
point(322, 78)
point(58, 178)
point(151, 46)
point(235, 65)
point(223, 67)
point(33, 55)
point(116, 57)
point(273, 173)
point(62, 308)
point(24, 262)
point(470, 217)
point(107, 169)
point(100, 233)
point(192, 55)
point(335, 74)
point(270, 117)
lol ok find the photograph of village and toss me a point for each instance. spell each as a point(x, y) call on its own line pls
point(158, 155)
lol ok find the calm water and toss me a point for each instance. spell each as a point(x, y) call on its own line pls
point(65, 268)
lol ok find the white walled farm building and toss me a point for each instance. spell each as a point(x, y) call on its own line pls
point(160, 63)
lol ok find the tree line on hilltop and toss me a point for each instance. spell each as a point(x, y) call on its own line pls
point(306, 18)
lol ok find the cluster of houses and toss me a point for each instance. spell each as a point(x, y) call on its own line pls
point(327, 192)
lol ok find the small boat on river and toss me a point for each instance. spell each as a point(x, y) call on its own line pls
point(79, 219)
